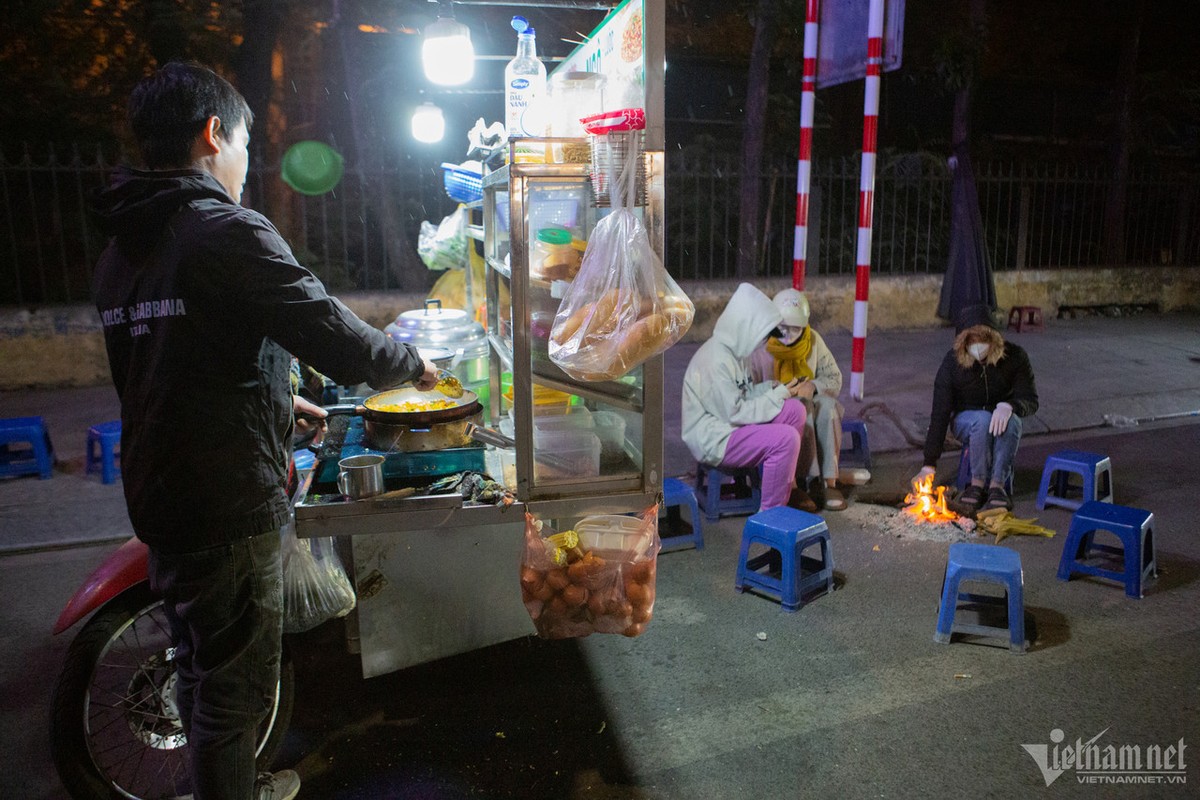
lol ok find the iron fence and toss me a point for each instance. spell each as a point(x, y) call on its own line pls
point(363, 234)
point(1034, 216)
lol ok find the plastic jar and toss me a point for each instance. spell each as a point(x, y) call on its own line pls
point(553, 257)
point(573, 95)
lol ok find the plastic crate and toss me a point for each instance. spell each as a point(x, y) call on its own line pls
point(462, 185)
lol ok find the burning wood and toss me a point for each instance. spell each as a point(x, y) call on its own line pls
point(926, 505)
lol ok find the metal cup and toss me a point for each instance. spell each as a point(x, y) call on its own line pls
point(361, 476)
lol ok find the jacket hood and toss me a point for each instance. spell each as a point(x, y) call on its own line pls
point(137, 203)
point(746, 320)
point(978, 333)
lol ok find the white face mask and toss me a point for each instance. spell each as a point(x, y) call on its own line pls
point(790, 334)
point(978, 351)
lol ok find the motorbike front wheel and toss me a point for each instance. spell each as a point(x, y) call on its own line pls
point(114, 730)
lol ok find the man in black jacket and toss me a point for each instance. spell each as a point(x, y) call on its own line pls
point(203, 306)
point(985, 386)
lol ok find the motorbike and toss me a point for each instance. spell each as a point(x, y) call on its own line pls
point(115, 730)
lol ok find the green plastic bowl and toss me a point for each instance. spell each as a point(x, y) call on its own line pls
point(311, 167)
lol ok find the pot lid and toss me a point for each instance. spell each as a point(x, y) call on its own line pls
point(436, 327)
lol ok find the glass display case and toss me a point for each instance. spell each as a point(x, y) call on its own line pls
point(574, 438)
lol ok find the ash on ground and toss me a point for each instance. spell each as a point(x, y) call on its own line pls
point(896, 524)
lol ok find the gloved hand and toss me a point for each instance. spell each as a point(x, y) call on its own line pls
point(926, 472)
point(1000, 419)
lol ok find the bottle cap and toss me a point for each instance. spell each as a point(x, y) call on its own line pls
point(520, 25)
point(554, 236)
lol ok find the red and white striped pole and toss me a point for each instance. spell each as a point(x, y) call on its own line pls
point(808, 89)
point(866, 195)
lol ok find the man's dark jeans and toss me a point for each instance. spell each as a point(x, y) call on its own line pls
point(225, 605)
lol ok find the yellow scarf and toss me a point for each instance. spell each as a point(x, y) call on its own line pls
point(791, 361)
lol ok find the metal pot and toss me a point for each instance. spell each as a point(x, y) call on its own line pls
point(413, 431)
point(452, 329)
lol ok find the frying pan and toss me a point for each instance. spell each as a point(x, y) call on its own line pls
point(435, 429)
point(370, 409)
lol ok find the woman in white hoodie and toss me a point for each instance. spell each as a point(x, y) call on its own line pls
point(728, 420)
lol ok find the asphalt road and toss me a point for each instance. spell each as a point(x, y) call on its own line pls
point(725, 695)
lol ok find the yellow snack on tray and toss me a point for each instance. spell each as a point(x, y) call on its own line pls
point(410, 406)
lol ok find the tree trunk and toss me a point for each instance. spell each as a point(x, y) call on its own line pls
point(405, 268)
point(262, 22)
point(757, 85)
point(1118, 188)
point(968, 280)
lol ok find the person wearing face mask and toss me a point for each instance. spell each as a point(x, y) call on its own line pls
point(799, 353)
point(731, 421)
point(984, 387)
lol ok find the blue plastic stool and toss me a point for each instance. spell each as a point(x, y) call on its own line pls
point(1093, 468)
point(732, 492)
point(787, 533)
point(1133, 526)
point(677, 495)
point(964, 472)
point(103, 441)
point(986, 563)
point(859, 451)
point(36, 459)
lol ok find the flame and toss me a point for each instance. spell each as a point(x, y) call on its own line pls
point(927, 506)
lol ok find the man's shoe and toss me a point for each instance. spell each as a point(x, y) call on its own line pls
point(972, 496)
point(997, 498)
point(282, 785)
point(799, 499)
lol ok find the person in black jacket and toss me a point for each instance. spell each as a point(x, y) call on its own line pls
point(984, 387)
point(203, 306)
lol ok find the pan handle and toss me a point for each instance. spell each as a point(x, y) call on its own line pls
point(488, 436)
point(347, 409)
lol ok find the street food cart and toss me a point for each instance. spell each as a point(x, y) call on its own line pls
point(435, 574)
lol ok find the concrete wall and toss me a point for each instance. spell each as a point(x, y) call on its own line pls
point(63, 345)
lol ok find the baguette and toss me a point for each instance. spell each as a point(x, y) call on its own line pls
point(643, 340)
point(679, 312)
point(599, 318)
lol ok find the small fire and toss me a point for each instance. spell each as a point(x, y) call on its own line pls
point(927, 506)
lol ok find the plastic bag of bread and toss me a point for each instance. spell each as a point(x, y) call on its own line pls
point(622, 307)
point(596, 578)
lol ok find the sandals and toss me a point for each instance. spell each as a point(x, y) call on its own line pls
point(997, 498)
point(971, 496)
point(834, 499)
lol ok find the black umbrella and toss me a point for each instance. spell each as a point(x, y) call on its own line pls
point(968, 280)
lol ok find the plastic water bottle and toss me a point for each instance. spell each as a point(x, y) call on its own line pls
point(525, 94)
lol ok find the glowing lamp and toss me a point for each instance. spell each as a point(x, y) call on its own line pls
point(428, 124)
point(447, 54)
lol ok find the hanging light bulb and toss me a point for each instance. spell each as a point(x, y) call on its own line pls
point(447, 54)
point(428, 124)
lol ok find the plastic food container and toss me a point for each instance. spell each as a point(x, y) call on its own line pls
point(578, 419)
point(553, 257)
point(557, 455)
point(573, 95)
point(610, 428)
point(613, 535)
point(545, 400)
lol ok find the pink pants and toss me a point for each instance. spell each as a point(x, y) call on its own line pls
point(776, 446)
